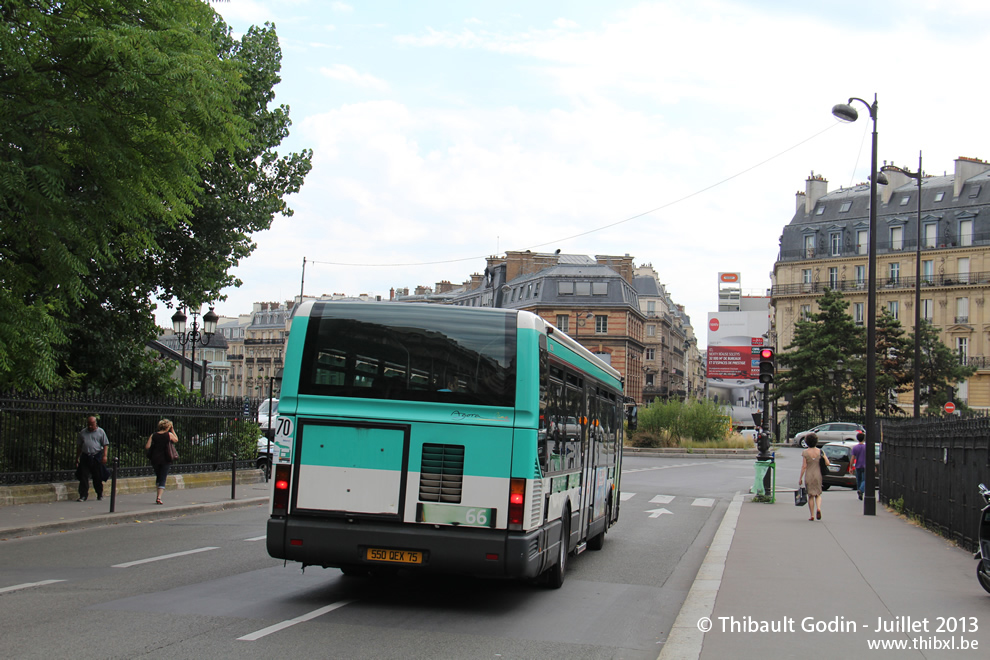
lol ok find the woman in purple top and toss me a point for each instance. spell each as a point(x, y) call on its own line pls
point(859, 462)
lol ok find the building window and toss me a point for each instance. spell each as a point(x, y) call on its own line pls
point(820, 209)
point(563, 322)
point(536, 290)
point(835, 242)
point(809, 246)
point(894, 307)
point(860, 276)
point(651, 307)
point(805, 312)
point(651, 354)
point(965, 232)
point(962, 268)
point(862, 241)
point(845, 207)
point(905, 199)
point(599, 288)
point(939, 196)
point(962, 349)
point(929, 235)
point(928, 271)
point(565, 288)
point(806, 276)
point(582, 288)
point(651, 330)
point(897, 238)
point(974, 192)
point(894, 273)
point(927, 308)
point(649, 380)
point(833, 278)
point(962, 310)
point(601, 324)
point(858, 313)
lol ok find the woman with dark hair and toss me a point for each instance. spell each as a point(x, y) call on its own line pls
point(157, 447)
point(811, 475)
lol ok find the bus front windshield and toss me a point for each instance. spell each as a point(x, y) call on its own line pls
point(410, 352)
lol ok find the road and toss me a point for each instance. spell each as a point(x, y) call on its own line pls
point(204, 586)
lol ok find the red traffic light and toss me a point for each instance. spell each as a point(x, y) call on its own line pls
point(766, 354)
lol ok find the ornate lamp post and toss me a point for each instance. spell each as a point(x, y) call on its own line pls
point(846, 112)
point(194, 335)
point(917, 287)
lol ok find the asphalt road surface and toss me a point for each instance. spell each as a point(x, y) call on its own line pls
point(204, 587)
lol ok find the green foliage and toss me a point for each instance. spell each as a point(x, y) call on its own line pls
point(941, 370)
point(824, 362)
point(893, 359)
point(136, 158)
point(671, 423)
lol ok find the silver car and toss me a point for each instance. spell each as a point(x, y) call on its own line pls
point(831, 432)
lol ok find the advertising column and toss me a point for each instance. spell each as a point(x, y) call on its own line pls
point(733, 367)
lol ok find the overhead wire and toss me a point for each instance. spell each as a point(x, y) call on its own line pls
point(610, 225)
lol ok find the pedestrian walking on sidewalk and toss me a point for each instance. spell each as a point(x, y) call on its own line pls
point(811, 475)
point(91, 458)
point(158, 452)
point(859, 462)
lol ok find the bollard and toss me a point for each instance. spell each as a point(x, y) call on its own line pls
point(113, 483)
point(233, 476)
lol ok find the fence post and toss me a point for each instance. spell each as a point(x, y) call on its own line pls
point(113, 483)
point(233, 476)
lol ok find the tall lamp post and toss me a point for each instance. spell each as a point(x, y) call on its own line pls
point(194, 335)
point(917, 287)
point(846, 112)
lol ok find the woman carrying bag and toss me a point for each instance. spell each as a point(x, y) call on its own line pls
point(161, 451)
point(811, 475)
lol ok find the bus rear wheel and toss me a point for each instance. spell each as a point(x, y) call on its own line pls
point(555, 574)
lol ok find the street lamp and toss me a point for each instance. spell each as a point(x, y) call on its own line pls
point(917, 287)
point(194, 335)
point(845, 112)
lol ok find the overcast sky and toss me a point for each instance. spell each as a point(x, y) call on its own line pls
point(675, 132)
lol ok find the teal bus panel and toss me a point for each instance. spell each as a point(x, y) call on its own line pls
point(366, 447)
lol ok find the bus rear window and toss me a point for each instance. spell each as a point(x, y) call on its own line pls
point(410, 352)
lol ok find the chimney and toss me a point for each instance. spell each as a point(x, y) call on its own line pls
point(816, 186)
point(966, 168)
point(799, 199)
point(895, 180)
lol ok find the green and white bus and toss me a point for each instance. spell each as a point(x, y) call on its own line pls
point(442, 438)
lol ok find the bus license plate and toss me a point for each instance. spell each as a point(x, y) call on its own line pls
point(395, 556)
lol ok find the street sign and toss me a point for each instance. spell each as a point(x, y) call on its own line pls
point(949, 407)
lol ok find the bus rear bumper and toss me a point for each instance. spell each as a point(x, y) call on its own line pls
point(474, 551)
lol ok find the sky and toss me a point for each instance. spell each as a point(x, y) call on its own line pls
point(677, 132)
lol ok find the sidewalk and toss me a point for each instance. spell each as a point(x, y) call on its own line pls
point(19, 520)
point(775, 585)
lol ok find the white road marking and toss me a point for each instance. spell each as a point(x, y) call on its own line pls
point(171, 556)
point(656, 513)
point(703, 501)
point(624, 496)
point(291, 622)
point(258, 538)
point(28, 585)
point(662, 499)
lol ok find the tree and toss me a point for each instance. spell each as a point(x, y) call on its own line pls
point(108, 111)
point(824, 360)
point(941, 369)
point(894, 369)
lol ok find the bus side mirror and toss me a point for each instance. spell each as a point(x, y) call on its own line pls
point(632, 417)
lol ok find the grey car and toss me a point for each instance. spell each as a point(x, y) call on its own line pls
point(831, 432)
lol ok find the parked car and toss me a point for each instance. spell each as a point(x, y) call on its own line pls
point(840, 469)
point(831, 432)
point(263, 415)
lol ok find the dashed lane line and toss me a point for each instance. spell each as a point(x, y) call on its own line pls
point(163, 557)
point(28, 585)
point(291, 622)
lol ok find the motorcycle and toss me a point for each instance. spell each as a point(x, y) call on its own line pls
point(983, 554)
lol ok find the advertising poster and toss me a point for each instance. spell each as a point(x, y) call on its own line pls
point(733, 364)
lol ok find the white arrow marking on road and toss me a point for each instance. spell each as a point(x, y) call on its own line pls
point(662, 499)
point(656, 513)
point(626, 496)
point(703, 501)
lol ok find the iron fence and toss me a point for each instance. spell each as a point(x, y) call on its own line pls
point(38, 435)
point(930, 467)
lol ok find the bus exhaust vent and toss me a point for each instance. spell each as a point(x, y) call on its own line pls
point(442, 473)
point(536, 510)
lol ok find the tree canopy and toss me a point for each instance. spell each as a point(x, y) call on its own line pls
point(941, 369)
point(137, 157)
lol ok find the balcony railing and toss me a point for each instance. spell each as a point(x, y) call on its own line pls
point(885, 247)
point(962, 319)
point(883, 284)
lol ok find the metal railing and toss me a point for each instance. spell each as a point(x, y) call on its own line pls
point(931, 467)
point(883, 284)
point(38, 435)
point(907, 244)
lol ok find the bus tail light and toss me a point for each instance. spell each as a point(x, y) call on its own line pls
point(280, 500)
point(517, 495)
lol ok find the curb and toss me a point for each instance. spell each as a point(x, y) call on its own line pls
point(144, 515)
point(66, 490)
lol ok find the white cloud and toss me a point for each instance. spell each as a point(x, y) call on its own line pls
point(346, 74)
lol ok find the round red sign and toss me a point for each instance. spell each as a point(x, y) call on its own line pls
point(713, 325)
point(949, 407)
